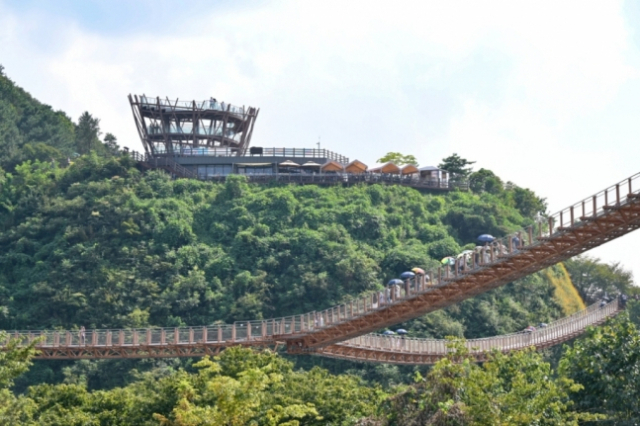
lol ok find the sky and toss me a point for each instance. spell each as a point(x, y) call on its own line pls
point(545, 94)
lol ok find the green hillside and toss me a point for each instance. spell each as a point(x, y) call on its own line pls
point(30, 129)
point(98, 243)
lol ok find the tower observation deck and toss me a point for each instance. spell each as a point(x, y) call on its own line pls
point(170, 127)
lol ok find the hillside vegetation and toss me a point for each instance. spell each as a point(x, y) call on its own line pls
point(100, 244)
point(86, 239)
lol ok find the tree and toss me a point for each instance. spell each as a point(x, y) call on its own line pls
point(111, 143)
point(528, 202)
point(457, 165)
point(398, 159)
point(594, 279)
point(485, 181)
point(87, 133)
point(607, 364)
point(15, 359)
point(515, 389)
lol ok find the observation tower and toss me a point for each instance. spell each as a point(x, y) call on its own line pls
point(210, 140)
point(174, 127)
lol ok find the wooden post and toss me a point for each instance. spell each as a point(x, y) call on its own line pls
point(163, 337)
point(595, 206)
point(219, 334)
point(190, 335)
point(550, 225)
point(617, 194)
point(530, 235)
point(134, 338)
point(561, 220)
point(176, 335)
point(248, 331)
point(583, 209)
point(571, 213)
point(233, 332)
point(630, 189)
point(204, 334)
point(120, 337)
point(148, 336)
point(606, 197)
point(109, 343)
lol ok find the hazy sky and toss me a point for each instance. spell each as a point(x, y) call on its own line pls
point(546, 94)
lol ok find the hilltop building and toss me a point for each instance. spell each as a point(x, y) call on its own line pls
point(210, 140)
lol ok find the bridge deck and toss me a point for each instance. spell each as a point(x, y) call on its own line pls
point(199, 341)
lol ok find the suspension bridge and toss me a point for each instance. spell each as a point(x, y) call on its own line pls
point(344, 331)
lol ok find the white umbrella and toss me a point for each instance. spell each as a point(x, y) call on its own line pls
point(289, 163)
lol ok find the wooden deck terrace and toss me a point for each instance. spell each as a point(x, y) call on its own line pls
point(574, 230)
point(175, 169)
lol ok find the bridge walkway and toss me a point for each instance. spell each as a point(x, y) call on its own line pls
point(200, 341)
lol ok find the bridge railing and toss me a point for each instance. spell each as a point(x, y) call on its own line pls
point(178, 105)
point(556, 331)
point(594, 206)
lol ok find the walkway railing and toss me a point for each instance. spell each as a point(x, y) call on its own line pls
point(296, 153)
point(390, 346)
point(195, 341)
point(178, 105)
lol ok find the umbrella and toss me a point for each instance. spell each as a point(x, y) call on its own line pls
point(289, 163)
point(395, 281)
point(418, 271)
point(486, 238)
point(464, 253)
point(401, 331)
point(407, 275)
point(448, 261)
point(388, 333)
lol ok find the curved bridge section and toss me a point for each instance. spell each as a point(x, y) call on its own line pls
point(401, 350)
point(589, 223)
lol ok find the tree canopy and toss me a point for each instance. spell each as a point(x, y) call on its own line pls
point(457, 165)
point(398, 159)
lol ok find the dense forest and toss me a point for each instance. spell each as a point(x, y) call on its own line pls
point(87, 239)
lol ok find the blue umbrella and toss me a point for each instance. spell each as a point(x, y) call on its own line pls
point(395, 281)
point(401, 331)
point(407, 275)
point(486, 238)
point(388, 333)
